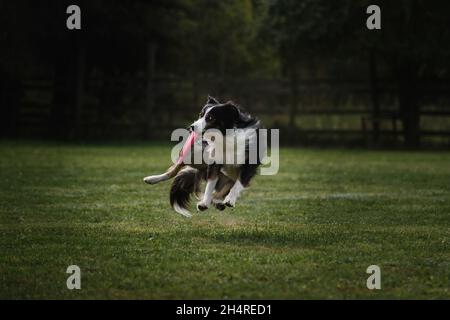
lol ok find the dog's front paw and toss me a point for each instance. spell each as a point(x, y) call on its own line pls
point(201, 206)
point(229, 201)
point(219, 206)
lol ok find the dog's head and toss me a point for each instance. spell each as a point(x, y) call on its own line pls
point(221, 116)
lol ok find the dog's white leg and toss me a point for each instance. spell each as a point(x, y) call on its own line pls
point(156, 178)
point(207, 197)
point(199, 196)
point(230, 199)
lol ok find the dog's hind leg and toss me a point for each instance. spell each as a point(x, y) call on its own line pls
point(186, 182)
point(169, 174)
point(222, 189)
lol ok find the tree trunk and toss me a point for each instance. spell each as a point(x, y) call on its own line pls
point(410, 113)
point(10, 95)
point(79, 93)
point(410, 110)
point(68, 87)
point(294, 83)
point(374, 90)
point(150, 95)
point(195, 87)
point(61, 94)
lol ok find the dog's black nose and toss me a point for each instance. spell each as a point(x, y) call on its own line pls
point(191, 128)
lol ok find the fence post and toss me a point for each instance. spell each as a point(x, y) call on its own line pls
point(294, 97)
point(150, 90)
point(374, 90)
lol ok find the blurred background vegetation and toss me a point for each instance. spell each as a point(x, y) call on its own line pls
point(139, 69)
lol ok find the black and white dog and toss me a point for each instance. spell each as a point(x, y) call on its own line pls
point(225, 180)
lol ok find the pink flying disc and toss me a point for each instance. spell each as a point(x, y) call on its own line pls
point(187, 147)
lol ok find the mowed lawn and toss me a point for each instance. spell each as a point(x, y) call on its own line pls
point(309, 232)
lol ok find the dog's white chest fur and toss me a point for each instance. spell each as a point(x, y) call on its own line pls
point(234, 145)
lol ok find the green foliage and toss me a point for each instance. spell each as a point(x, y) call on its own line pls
point(228, 38)
point(202, 44)
point(220, 38)
point(205, 37)
point(414, 33)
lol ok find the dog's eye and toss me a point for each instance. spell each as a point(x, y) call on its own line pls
point(209, 118)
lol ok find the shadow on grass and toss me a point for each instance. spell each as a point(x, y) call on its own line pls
point(300, 238)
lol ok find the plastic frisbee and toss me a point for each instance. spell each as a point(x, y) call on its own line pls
point(187, 147)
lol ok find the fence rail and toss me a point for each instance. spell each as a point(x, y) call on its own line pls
point(117, 107)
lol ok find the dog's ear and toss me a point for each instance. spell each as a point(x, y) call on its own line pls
point(231, 104)
point(212, 100)
point(240, 115)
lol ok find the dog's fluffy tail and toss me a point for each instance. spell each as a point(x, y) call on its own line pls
point(186, 182)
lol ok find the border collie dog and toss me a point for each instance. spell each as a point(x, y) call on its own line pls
point(225, 180)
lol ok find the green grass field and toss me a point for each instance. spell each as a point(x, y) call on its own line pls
point(309, 232)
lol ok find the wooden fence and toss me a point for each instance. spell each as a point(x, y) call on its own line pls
point(329, 111)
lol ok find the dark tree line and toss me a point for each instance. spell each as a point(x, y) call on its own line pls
point(197, 39)
point(413, 46)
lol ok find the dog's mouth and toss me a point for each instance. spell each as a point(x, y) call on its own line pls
point(192, 129)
